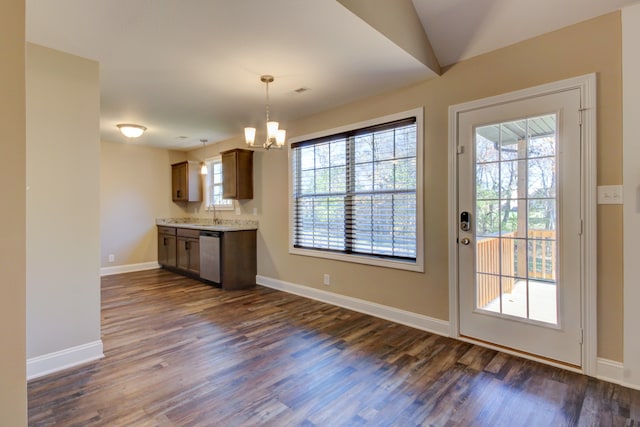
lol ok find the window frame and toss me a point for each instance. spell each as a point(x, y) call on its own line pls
point(410, 265)
point(209, 161)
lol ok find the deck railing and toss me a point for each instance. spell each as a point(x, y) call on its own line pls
point(492, 253)
point(542, 254)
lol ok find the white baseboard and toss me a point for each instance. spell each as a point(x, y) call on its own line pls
point(57, 361)
point(128, 268)
point(418, 321)
point(610, 370)
point(613, 372)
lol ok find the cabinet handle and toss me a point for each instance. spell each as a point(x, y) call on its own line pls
point(164, 242)
point(178, 194)
point(186, 246)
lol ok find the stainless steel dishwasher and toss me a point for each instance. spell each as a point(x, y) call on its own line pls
point(210, 255)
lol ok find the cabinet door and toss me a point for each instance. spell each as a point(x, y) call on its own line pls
point(229, 175)
point(179, 182)
point(237, 174)
point(167, 250)
point(183, 253)
point(189, 254)
point(194, 256)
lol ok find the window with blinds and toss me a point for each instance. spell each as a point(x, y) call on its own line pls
point(355, 192)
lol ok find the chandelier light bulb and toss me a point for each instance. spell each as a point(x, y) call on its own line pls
point(272, 129)
point(249, 135)
point(280, 137)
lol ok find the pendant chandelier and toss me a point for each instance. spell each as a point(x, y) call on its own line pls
point(275, 137)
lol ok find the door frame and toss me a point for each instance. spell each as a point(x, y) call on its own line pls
point(586, 84)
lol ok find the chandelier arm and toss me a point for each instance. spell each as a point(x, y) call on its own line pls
point(266, 146)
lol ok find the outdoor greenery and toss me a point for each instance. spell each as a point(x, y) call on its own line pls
point(515, 179)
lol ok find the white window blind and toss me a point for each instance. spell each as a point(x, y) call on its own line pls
point(355, 192)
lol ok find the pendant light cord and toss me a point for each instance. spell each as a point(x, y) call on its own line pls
point(267, 83)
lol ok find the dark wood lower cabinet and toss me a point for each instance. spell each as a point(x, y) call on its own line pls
point(167, 246)
point(188, 250)
point(238, 259)
point(179, 251)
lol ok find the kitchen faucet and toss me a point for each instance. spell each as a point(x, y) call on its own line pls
point(214, 219)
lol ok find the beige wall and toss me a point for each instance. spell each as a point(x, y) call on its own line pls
point(592, 46)
point(13, 389)
point(135, 189)
point(63, 234)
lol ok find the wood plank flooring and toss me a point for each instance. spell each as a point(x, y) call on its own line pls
point(182, 353)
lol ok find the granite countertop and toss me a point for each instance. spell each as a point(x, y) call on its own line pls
point(208, 225)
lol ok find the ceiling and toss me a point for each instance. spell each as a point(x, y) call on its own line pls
point(190, 70)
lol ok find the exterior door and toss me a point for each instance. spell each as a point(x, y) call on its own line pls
point(519, 218)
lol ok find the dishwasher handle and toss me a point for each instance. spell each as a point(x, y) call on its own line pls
point(217, 234)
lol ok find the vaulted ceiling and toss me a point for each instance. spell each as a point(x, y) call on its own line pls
point(190, 70)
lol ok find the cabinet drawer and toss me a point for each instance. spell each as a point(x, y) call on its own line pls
point(166, 230)
point(188, 232)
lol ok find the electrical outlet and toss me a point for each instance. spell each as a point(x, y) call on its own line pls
point(112, 257)
point(610, 195)
point(238, 212)
point(255, 211)
point(327, 279)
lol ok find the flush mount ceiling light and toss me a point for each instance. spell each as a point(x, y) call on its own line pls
point(275, 137)
point(131, 131)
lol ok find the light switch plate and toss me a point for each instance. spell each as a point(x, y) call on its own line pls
point(610, 195)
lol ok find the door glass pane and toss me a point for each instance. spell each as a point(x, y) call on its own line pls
point(512, 136)
point(488, 217)
point(487, 144)
point(509, 218)
point(488, 181)
point(515, 221)
point(487, 288)
point(515, 300)
point(509, 171)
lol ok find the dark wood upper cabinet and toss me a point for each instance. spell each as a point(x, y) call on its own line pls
point(237, 174)
point(186, 184)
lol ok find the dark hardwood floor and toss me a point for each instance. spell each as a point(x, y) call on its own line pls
point(182, 353)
